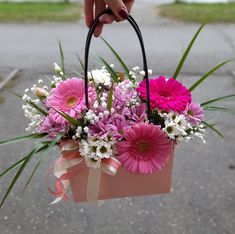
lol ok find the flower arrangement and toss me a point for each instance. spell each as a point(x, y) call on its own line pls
point(117, 130)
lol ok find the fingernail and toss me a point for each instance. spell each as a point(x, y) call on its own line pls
point(123, 13)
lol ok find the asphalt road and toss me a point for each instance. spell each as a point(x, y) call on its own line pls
point(203, 186)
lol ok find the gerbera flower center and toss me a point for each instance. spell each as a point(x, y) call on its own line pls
point(143, 147)
point(72, 101)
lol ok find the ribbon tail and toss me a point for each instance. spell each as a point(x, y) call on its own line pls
point(93, 185)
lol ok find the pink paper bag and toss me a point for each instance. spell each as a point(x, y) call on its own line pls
point(124, 183)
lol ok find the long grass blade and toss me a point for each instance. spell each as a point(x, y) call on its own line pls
point(32, 174)
point(22, 138)
point(80, 61)
point(16, 177)
point(211, 126)
point(121, 62)
point(18, 163)
point(110, 70)
point(62, 58)
point(207, 75)
point(221, 109)
point(186, 53)
point(38, 108)
point(50, 146)
point(110, 98)
point(218, 99)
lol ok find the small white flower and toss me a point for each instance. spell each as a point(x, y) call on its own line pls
point(142, 73)
point(104, 150)
point(86, 129)
point(84, 148)
point(57, 68)
point(39, 92)
point(40, 81)
point(104, 105)
point(172, 130)
point(150, 72)
point(136, 68)
point(100, 77)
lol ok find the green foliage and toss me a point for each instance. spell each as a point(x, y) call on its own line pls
point(186, 53)
point(110, 70)
point(38, 148)
point(119, 59)
point(207, 75)
point(23, 138)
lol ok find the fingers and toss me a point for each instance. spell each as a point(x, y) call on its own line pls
point(118, 8)
point(88, 10)
point(100, 6)
point(108, 19)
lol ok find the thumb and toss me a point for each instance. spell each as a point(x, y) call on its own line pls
point(118, 8)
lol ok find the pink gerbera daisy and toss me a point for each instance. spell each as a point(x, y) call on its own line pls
point(146, 149)
point(166, 94)
point(194, 113)
point(69, 97)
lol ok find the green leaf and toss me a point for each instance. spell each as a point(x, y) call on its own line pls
point(213, 128)
point(37, 148)
point(50, 146)
point(218, 108)
point(69, 118)
point(110, 70)
point(207, 75)
point(110, 98)
point(121, 62)
point(61, 58)
point(13, 166)
point(32, 174)
point(80, 61)
point(186, 53)
point(217, 99)
point(23, 138)
point(19, 162)
point(38, 108)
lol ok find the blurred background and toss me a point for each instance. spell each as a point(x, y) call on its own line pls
point(202, 199)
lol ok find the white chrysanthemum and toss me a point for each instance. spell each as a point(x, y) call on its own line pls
point(172, 130)
point(84, 148)
point(100, 76)
point(104, 150)
point(181, 121)
point(93, 162)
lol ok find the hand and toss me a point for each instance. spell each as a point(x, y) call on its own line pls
point(93, 8)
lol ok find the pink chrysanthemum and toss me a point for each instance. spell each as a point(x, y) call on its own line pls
point(166, 94)
point(69, 97)
point(51, 127)
point(146, 149)
point(194, 113)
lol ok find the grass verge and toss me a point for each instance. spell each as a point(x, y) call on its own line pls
point(39, 12)
point(200, 13)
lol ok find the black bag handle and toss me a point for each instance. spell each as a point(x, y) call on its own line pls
point(133, 23)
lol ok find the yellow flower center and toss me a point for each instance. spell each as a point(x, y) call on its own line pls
point(71, 101)
point(190, 113)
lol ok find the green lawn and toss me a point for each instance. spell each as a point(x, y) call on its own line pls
point(199, 13)
point(38, 12)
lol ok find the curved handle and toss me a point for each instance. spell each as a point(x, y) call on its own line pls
point(131, 20)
